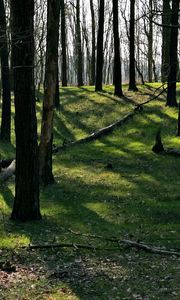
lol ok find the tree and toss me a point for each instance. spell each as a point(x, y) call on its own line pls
point(117, 61)
point(63, 44)
point(93, 52)
point(150, 42)
point(171, 93)
point(26, 202)
point(132, 80)
point(100, 53)
point(45, 147)
point(78, 46)
point(5, 75)
point(166, 18)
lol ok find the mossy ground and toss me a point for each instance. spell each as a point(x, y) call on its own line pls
point(138, 198)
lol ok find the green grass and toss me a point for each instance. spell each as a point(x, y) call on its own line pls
point(138, 198)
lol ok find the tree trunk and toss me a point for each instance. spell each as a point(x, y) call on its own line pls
point(166, 18)
point(171, 93)
point(26, 203)
point(63, 44)
point(150, 44)
point(100, 52)
point(117, 61)
point(5, 75)
point(79, 46)
point(132, 81)
point(45, 147)
point(93, 54)
point(57, 95)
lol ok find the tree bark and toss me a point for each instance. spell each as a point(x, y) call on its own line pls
point(100, 52)
point(171, 93)
point(45, 147)
point(26, 202)
point(79, 46)
point(63, 44)
point(150, 44)
point(166, 18)
point(5, 134)
point(132, 80)
point(93, 53)
point(117, 61)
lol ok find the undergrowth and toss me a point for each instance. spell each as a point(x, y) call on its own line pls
point(112, 187)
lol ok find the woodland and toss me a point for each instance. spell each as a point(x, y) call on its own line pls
point(89, 149)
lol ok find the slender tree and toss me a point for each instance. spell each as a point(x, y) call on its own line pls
point(26, 203)
point(79, 46)
point(100, 52)
point(166, 18)
point(93, 52)
point(63, 44)
point(171, 93)
point(5, 75)
point(117, 60)
point(45, 147)
point(132, 80)
point(150, 43)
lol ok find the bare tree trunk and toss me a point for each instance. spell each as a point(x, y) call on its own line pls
point(45, 147)
point(5, 75)
point(100, 52)
point(150, 44)
point(78, 46)
point(117, 61)
point(171, 94)
point(166, 18)
point(26, 203)
point(63, 44)
point(93, 53)
point(132, 80)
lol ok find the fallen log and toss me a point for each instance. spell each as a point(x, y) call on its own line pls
point(129, 243)
point(147, 248)
point(8, 172)
point(97, 134)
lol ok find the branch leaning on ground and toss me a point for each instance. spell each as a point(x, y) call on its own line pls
point(103, 131)
point(97, 134)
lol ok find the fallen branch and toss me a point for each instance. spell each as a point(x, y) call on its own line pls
point(128, 243)
point(97, 134)
point(147, 248)
point(8, 172)
point(64, 245)
point(154, 97)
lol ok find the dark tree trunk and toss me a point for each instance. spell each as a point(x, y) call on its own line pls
point(63, 44)
point(150, 44)
point(171, 93)
point(79, 46)
point(100, 52)
point(57, 95)
point(166, 18)
point(117, 60)
point(93, 54)
point(26, 203)
point(5, 75)
point(45, 147)
point(132, 80)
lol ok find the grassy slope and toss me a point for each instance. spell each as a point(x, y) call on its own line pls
point(138, 198)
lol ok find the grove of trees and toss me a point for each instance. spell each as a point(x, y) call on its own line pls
point(61, 42)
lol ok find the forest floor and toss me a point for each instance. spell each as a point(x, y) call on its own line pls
point(114, 187)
